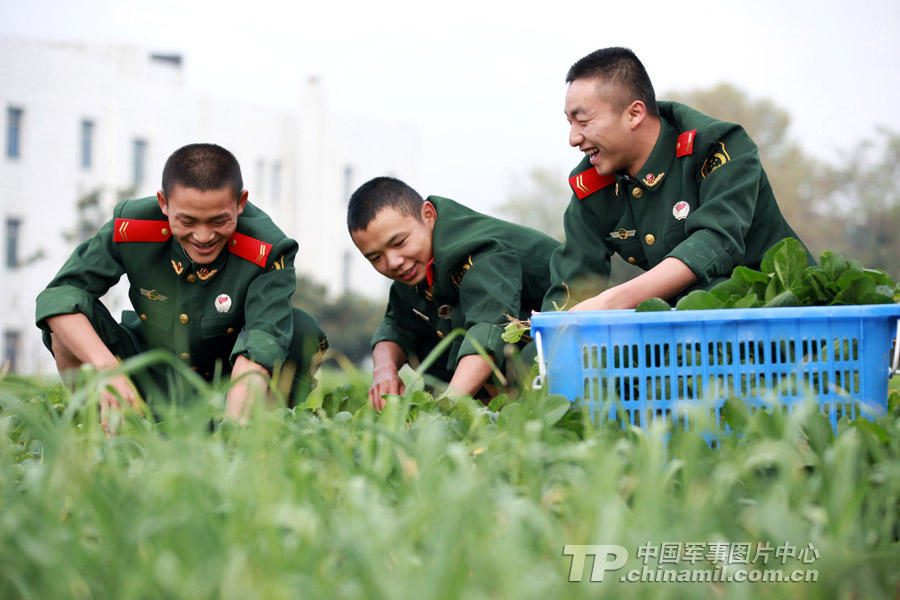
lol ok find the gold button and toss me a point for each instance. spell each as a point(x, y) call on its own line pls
point(183, 318)
point(637, 192)
point(191, 278)
point(185, 355)
point(230, 330)
point(165, 231)
point(650, 239)
point(631, 259)
point(143, 317)
point(233, 242)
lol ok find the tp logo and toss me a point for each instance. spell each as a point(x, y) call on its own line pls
point(602, 563)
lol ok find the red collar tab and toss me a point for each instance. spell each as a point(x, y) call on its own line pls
point(429, 272)
point(590, 181)
point(685, 143)
point(140, 230)
point(249, 248)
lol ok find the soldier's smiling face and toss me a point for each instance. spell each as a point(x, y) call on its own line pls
point(202, 221)
point(599, 127)
point(399, 245)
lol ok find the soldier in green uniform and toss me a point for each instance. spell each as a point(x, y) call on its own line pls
point(452, 268)
point(210, 279)
point(673, 191)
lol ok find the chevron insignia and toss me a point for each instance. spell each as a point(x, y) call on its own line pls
point(586, 183)
point(249, 248)
point(684, 145)
point(141, 230)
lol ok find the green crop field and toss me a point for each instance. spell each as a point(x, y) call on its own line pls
point(437, 498)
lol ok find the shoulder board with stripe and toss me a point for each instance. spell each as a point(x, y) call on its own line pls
point(586, 183)
point(141, 230)
point(685, 143)
point(249, 248)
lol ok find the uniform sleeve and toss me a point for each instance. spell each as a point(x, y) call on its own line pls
point(268, 317)
point(392, 328)
point(729, 180)
point(490, 289)
point(580, 267)
point(93, 268)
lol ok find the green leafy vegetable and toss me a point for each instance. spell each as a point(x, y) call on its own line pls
point(786, 279)
point(653, 305)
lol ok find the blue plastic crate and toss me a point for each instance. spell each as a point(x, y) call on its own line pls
point(646, 366)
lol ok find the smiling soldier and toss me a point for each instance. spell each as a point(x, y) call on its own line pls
point(210, 278)
point(452, 268)
point(677, 193)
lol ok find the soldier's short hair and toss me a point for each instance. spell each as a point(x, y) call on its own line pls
point(202, 167)
point(623, 73)
point(380, 193)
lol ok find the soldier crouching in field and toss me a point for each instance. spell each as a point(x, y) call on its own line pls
point(452, 268)
point(210, 279)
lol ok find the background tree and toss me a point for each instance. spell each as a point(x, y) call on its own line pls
point(348, 320)
point(539, 200)
point(90, 214)
point(866, 204)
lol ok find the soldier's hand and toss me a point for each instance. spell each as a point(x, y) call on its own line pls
point(386, 381)
point(249, 381)
point(118, 392)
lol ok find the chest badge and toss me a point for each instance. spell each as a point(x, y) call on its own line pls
point(445, 311)
point(223, 303)
point(622, 234)
point(680, 210)
point(153, 295)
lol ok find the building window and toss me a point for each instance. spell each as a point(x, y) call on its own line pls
point(87, 144)
point(348, 182)
point(12, 242)
point(10, 350)
point(345, 272)
point(276, 182)
point(140, 158)
point(13, 132)
point(260, 179)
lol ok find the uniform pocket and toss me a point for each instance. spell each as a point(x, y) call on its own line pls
point(211, 327)
point(675, 234)
point(154, 314)
point(630, 249)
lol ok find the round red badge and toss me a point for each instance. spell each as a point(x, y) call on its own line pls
point(680, 210)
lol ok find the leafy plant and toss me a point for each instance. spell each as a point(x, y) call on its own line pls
point(785, 279)
point(433, 497)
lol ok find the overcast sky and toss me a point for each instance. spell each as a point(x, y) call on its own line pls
point(484, 81)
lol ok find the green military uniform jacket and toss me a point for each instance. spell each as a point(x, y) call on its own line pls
point(702, 197)
point(238, 304)
point(483, 270)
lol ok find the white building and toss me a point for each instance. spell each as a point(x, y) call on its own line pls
point(82, 122)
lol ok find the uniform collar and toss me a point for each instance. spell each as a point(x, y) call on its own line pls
point(429, 272)
point(185, 267)
point(660, 161)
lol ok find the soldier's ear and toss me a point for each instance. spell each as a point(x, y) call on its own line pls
point(242, 201)
point(636, 113)
point(429, 214)
point(163, 203)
